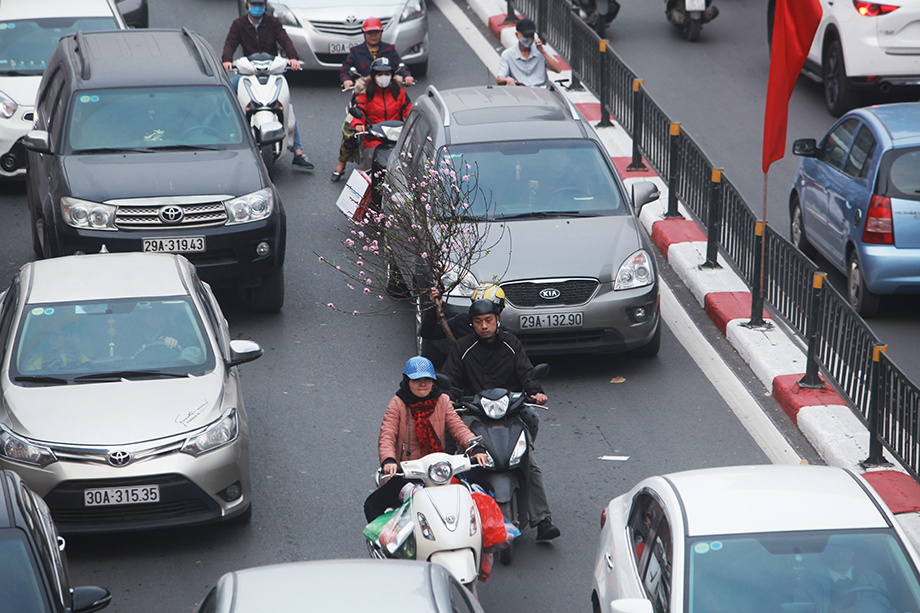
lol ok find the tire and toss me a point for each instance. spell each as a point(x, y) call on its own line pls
point(797, 229)
point(694, 26)
point(506, 556)
point(268, 157)
point(860, 298)
point(269, 296)
point(651, 349)
point(509, 510)
point(419, 70)
point(838, 93)
point(771, 13)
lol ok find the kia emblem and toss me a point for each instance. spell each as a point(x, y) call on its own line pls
point(550, 293)
point(171, 214)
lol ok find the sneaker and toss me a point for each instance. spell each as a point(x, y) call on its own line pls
point(302, 161)
point(546, 531)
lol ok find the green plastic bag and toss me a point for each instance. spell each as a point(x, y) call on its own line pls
point(373, 529)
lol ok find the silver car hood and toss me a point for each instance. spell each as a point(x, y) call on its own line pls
point(117, 413)
point(331, 10)
point(592, 247)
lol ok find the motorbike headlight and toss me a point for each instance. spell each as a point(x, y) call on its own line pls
point(636, 271)
point(414, 9)
point(425, 527)
point(286, 15)
point(463, 287)
point(251, 207)
point(18, 449)
point(222, 432)
point(440, 472)
point(85, 214)
point(495, 409)
point(8, 106)
point(520, 448)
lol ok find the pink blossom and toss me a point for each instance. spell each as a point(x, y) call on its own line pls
point(424, 254)
point(466, 177)
point(321, 259)
point(368, 280)
point(466, 206)
point(361, 234)
point(354, 312)
point(379, 297)
point(338, 268)
point(359, 263)
point(367, 291)
point(350, 286)
point(427, 207)
point(387, 224)
point(349, 242)
point(468, 166)
point(453, 175)
point(360, 273)
point(330, 305)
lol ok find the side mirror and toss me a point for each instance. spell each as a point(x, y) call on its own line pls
point(269, 133)
point(540, 371)
point(644, 192)
point(356, 112)
point(806, 147)
point(244, 351)
point(38, 141)
point(631, 605)
point(88, 599)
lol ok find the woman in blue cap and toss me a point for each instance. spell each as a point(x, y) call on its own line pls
point(416, 423)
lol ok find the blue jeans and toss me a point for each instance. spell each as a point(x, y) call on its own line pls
point(235, 81)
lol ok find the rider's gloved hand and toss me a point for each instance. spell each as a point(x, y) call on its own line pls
point(294, 64)
point(540, 398)
point(228, 66)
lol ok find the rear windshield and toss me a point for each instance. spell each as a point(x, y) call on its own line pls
point(899, 174)
point(539, 178)
point(153, 118)
point(27, 44)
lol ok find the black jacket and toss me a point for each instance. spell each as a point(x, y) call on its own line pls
point(266, 38)
point(475, 365)
point(361, 58)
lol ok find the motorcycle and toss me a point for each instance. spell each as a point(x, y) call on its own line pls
point(690, 15)
point(443, 522)
point(495, 416)
point(264, 95)
point(588, 11)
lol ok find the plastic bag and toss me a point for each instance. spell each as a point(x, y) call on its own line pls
point(511, 533)
point(372, 530)
point(486, 569)
point(396, 530)
point(493, 522)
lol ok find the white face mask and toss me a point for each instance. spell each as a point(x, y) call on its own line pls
point(527, 41)
point(383, 80)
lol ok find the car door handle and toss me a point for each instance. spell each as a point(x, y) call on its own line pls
point(609, 560)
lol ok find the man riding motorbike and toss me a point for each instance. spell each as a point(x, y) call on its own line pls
point(460, 324)
point(493, 358)
point(360, 59)
point(383, 99)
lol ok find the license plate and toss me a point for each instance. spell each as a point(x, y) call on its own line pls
point(182, 244)
point(695, 5)
point(136, 494)
point(552, 320)
point(341, 47)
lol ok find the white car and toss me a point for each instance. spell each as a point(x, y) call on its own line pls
point(863, 49)
point(29, 34)
point(770, 539)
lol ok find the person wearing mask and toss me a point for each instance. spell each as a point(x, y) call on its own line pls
point(258, 32)
point(493, 358)
point(383, 99)
point(416, 423)
point(526, 62)
point(360, 58)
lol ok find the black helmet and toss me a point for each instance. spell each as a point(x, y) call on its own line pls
point(382, 64)
point(484, 307)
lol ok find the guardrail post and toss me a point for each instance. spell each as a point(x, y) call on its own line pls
point(636, 163)
point(714, 223)
point(673, 171)
point(510, 15)
point(812, 380)
point(575, 86)
point(876, 456)
point(605, 112)
point(756, 290)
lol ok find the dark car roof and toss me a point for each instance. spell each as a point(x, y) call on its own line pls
point(128, 58)
point(901, 121)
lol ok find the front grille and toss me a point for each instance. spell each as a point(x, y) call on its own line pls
point(125, 515)
point(136, 217)
point(561, 337)
point(332, 58)
point(572, 292)
point(341, 28)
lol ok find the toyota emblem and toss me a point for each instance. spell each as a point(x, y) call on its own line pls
point(119, 458)
point(351, 19)
point(171, 213)
point(550, 293)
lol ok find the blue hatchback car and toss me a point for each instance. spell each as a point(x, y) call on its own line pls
point(856, 201)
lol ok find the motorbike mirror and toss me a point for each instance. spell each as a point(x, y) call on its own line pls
point(444, 382)
point(806, 147)
point(473, 442)
point(356, 112)
point(540, 371)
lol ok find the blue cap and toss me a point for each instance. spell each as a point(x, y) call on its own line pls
point(419, 368)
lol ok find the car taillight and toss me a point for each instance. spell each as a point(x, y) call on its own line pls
point(603, 517)
point(872, 9)
point(879, 229)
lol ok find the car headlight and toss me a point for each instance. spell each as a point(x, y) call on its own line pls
point(461, 287)
point(18, 449)
point(519, 449)
point(222, 432)
point(85, 214)
point(440, 472)
point(286, 15)
point(251, 207)
point(414, 9)
point(495, 409)
point(636, 271)
point(8, 106)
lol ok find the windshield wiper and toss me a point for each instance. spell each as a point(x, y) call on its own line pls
point(545, 214)
point(21, 73)
point(130, 374)
point(188, 147)
point(115, 150)
point(42, 379)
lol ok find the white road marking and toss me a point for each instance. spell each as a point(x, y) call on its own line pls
point(614, 458)
point(470, 34)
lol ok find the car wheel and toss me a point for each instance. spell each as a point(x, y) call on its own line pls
point(838, 94)
point(269, 296)
point(419, 70)
point(861, 299)
point(694, 26)
point(651, 349)
point(797, 229)
point(243, 518)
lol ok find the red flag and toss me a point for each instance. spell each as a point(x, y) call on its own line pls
point(794, 25)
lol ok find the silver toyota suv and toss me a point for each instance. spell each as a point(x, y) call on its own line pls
point(581, 277)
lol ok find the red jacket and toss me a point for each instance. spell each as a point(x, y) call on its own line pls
point(383, 106)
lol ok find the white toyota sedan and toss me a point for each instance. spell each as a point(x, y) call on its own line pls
point(757, 539)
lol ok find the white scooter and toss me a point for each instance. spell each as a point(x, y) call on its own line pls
point(690, 15)
point(264, 95)
point(446, 528)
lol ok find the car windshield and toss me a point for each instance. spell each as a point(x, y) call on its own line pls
point(59, 343)
point(26, 45)
point(814, 572)
point(538, 179)
point(145, 119)
point(19, 580)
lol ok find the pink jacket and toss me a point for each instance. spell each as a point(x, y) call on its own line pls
point(397, 433)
